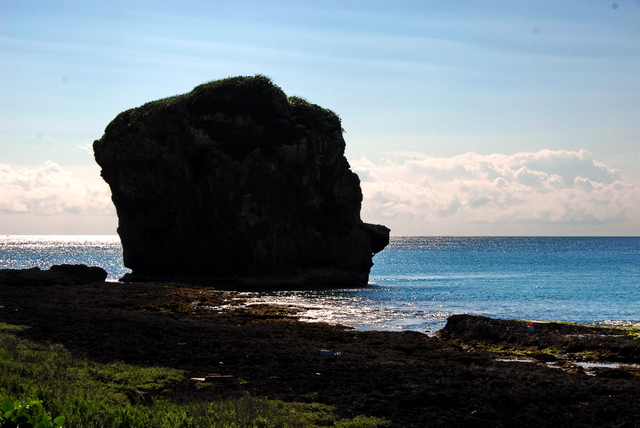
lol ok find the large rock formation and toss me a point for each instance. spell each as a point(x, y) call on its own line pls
point(236, 181)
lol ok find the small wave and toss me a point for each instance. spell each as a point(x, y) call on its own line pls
point(355, 312)
point(618, 323)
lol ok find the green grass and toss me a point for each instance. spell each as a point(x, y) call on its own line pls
point(89, 394)
point(11, 327)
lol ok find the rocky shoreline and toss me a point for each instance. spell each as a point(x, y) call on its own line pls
point(476, 372)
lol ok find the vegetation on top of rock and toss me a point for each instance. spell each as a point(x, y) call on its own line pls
point(129, 117)
point(312, 116)
point(256, 97)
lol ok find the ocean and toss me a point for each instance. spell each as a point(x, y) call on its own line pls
point(417, 282)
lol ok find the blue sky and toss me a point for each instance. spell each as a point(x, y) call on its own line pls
point(461, 117)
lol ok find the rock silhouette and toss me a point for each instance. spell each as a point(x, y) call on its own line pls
point(64, 274)
point(238, 182)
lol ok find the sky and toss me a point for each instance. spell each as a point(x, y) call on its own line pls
point(461, 117)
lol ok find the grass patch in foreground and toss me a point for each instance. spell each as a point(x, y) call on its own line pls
point(89, 394)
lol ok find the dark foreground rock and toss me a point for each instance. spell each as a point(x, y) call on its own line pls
point(236, 181)
point(554, 338)
point(57, 275)
point(410, 378)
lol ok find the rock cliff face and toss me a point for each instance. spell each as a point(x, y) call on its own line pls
point(236, 181)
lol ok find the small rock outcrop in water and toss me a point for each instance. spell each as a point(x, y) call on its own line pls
point(236, 181)
point(56, 275)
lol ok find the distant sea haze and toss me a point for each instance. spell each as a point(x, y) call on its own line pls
point(417, 282)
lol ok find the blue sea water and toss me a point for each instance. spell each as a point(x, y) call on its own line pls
point(417, 282)
point(27, 251)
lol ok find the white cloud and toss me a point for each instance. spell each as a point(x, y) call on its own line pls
point(49, 190)
point(543, 188)
point(547, 192)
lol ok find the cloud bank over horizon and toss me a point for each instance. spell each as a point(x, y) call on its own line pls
point(552, 192)
point(545, 192)
point(50, 190)
point(50, 199)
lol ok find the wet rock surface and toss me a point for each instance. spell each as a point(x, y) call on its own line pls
point(237, 181)
point(410, 378)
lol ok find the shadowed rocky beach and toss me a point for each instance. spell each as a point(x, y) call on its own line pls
point(476, 372)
